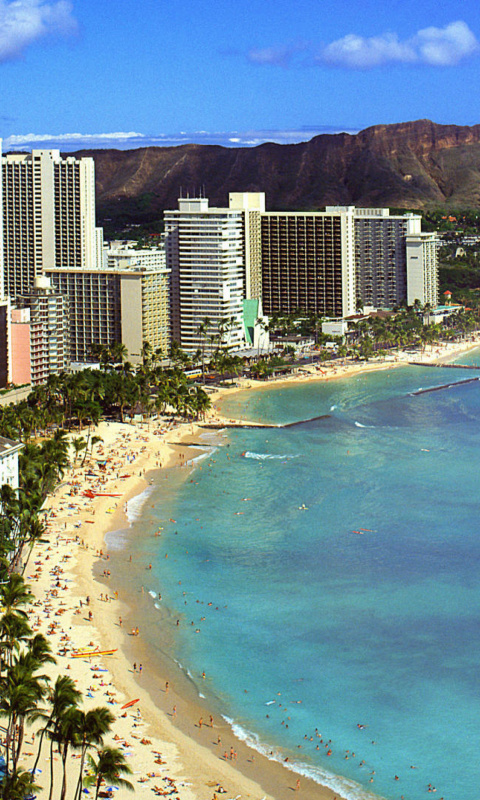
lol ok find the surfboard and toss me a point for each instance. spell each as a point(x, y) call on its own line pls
point(131, 703)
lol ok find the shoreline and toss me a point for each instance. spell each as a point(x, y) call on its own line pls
point(190, 753)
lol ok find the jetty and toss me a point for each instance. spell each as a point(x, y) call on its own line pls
point(444, 386)
point(444, 366)
point(218, 426)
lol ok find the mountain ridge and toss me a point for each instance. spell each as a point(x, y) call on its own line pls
point(418, 164)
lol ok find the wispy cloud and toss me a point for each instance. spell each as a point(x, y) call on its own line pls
point(436, 47)
point(132, 139)
point(278, 55)
point(23, 22)
point(16, 141)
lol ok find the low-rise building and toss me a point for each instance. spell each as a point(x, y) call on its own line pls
point(9, 451)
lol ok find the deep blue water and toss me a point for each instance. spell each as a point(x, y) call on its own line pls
point(363, 608)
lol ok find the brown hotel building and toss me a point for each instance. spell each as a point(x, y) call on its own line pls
point(308, 263)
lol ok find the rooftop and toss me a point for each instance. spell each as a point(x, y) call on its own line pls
point(8, 445)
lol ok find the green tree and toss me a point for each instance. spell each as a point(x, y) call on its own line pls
point(109, 766)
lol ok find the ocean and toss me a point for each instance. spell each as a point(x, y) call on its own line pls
point(326, 578)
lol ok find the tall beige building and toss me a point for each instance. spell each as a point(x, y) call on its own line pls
point(48, 216)
point(252, 206)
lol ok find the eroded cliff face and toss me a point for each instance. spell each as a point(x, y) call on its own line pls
point(410, 165)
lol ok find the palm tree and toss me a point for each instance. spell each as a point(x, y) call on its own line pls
point(110, 765)
point(14, 629)
point(64, 695)
point(21, 693)
point(203, 330)
point(65, 733)
point(17, 785)
point(92, 727)
point(78, 445)
point(15, 593)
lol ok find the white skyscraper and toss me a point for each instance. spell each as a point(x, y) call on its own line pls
point(422, 268)
point(205, 252)
point(48, 216)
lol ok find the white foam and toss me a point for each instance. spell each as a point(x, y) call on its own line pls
point(135, 505)
point(152, 593)
point(343, 786)
point(115, 540)
point(359, 425)
point(266, 456)
point(202, 456)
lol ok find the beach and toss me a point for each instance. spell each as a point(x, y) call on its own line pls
point(193, 765)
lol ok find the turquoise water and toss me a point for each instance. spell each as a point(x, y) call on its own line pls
point(345, 590)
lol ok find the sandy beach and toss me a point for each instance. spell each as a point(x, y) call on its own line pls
point(174, 743)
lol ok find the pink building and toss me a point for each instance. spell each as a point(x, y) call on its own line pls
point(20, 339)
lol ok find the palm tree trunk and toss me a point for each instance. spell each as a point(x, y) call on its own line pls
point(40, 743)
point(51, 770)
point(64, 777)
point(78, 790)
point(21, 731)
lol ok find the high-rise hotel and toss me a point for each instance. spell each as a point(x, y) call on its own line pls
point(308, 262)
point(48, 216)
point(206, 251)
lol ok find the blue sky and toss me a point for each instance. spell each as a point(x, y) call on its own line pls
point(79, 73)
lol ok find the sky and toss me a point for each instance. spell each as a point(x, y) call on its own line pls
point(128, 73)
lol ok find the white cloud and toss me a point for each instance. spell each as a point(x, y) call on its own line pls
point(23, 22)
point(66, 138)
point(132, 139)
point(438, 47)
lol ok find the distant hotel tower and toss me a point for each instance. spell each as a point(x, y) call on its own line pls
point(48, 216)
point(308, 262)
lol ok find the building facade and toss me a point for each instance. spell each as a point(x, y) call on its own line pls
point(9, 451)
point(48, 216)
point(205, 253)
point(422, 268)
point(252, 206)
point(129, 305)
point(49, 331)
point(308, 263)
point(380, 254)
